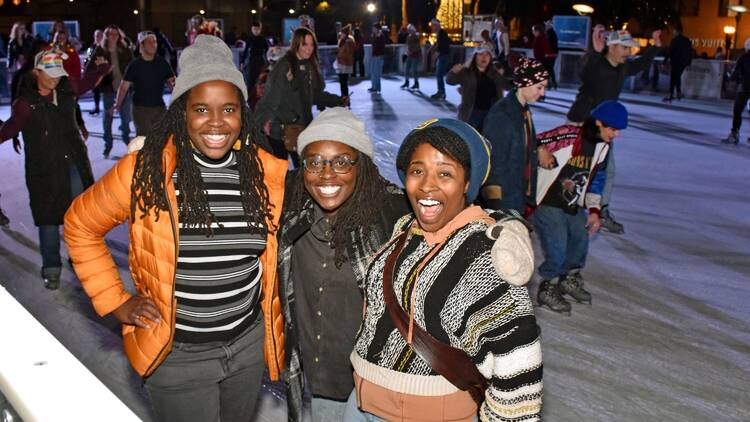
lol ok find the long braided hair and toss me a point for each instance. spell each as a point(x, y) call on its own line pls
point(148, 194)
point(359, 212)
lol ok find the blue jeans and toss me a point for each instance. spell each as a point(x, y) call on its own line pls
point(376, 70)
point(49, 235)
point(325, 410)
point(564, 238)
point(354, 414)
point(412, 68)
point(441, 68)
point(610, 180)
point(108, 100)
point(210, 381)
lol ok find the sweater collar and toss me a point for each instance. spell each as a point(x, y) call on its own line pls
point(468, 215)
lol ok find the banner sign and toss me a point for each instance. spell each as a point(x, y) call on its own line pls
point(573, 32)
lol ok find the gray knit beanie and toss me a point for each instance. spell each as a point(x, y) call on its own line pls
point(337, 124)
point(208, 59)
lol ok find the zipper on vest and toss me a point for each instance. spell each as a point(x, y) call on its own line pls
point(151, 367)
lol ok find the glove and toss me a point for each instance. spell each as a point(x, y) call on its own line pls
point(512, 254)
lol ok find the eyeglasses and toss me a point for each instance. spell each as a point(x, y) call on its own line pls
point(340, 165)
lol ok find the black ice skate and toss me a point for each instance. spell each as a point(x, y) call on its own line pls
point(572, 285)
point(550, 296)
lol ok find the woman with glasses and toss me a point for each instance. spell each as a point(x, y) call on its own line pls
point(337, 212)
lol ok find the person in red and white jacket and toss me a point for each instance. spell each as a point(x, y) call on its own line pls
point(569, 201)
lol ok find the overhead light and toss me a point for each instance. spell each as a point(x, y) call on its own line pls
point(253, 11)
point(583, 9)
point(729, 30)
point(371, 7)
point(291, 11)
point(202, 12)
point(135, 11)
point(737, 8)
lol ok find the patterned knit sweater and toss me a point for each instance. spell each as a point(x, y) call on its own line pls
point(460, 300)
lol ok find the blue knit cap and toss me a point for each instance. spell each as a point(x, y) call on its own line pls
point(612, 114)
point(479, 151)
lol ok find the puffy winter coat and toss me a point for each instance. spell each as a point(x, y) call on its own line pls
point(153, 259)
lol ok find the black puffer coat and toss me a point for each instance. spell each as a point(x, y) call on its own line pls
point(52, 141)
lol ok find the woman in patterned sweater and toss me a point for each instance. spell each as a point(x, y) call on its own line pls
point(457, 298)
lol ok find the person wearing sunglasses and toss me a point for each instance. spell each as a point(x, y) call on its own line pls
point(338, 211)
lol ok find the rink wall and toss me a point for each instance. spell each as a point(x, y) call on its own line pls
point(704, 79)
point(40, 380)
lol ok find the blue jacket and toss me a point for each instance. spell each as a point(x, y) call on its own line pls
point(504, 128)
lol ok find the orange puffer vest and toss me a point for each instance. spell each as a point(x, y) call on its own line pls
point(153, 259)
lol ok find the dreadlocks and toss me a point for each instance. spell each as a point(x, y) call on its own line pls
point(359, 212)
point(147, 192)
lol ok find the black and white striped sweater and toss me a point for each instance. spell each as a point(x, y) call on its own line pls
point(460, 300)
point(217, 282)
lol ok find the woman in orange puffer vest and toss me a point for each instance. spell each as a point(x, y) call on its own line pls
point(203, 201)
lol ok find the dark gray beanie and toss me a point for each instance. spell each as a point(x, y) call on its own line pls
point(208, 59)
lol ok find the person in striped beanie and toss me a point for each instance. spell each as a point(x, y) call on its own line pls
point(510, 129)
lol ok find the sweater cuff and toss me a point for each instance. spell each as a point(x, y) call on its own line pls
point(596, 211)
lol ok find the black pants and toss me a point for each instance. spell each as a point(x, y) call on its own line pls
point(97, 97)
point(549, 63)
point(344, 83)
point(740, 101)
point(253, 70)
point(359, 64)
point(675, 79)
point(279, 151)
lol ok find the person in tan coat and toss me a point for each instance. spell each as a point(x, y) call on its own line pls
point(345, 58)
point(202, 199)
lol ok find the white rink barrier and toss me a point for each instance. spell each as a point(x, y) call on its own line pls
point(42, 380)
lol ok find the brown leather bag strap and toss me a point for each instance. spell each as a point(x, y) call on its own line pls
point(452, 363)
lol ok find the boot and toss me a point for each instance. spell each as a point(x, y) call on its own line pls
point(4, 220)
point(415, 86)
point(572, 285)
point(550, 296)
point(733, 138)
point(51, 277)
point(405, 85)
point(609, 223)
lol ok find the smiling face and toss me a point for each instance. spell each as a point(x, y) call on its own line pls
point(214, 117)
point(436, 185)
point(306, 48)
point(45, 83)
point(330, 190)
